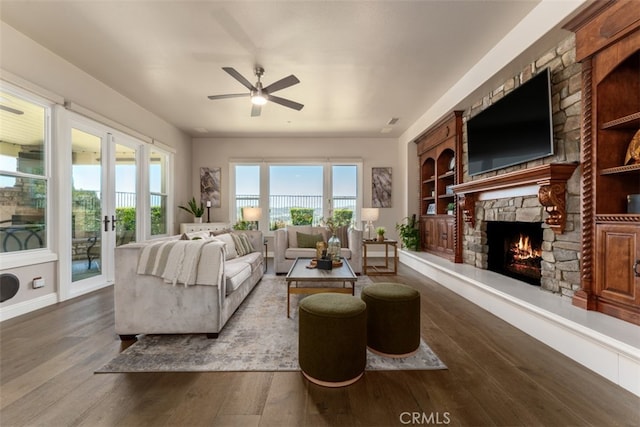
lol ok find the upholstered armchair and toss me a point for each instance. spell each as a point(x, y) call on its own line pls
point(286, 248)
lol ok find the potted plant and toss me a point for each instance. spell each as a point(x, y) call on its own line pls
point(451, 207)
point(380, 232)
point(195, 210)
point(409, 233)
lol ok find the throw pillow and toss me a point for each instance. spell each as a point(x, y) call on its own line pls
point(246, 242)
point(308, 240)
point(229, 245)
point(218, 232)
point(240, 249)
point(184, 237)
point(342, 233)
point(292, 231)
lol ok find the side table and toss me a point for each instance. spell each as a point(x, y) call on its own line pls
point(378, 270)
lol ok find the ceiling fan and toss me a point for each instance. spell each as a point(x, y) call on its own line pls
point(259, 95)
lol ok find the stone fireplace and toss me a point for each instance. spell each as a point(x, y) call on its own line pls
point(541, 202)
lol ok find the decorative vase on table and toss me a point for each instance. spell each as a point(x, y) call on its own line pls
point(333, 248)
point(197, 219)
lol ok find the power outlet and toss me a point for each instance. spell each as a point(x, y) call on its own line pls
point(38, 282)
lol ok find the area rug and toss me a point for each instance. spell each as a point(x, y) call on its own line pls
point(258, 337)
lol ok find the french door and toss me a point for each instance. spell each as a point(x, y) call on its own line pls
point(103, 203)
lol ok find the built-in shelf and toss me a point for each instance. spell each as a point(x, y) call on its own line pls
point(632, 121)
point(620, 169)
point(551, 179)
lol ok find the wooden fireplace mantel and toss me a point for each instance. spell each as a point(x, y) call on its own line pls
point(552, 182)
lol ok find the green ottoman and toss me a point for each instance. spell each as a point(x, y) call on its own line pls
point(332, 339)
point(393, 319)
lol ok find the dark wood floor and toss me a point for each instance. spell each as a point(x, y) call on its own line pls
point(497, 376)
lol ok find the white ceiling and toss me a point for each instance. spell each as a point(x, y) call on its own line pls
point(360, 63)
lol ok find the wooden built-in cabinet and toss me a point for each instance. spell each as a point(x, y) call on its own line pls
point(439, 171)
point(608, 45)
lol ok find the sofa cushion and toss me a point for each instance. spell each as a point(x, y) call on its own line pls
point(342, 233)
point(221, 231)
point(345, 253)
point(195, 235)
point(229, 245)
point(236, 273)
point(293, 253)
point(245, 242)
point(308, 240)
point(253, 259)
point(292, 231)
point(238, 244)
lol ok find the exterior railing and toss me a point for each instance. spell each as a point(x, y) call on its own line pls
point(280, 206)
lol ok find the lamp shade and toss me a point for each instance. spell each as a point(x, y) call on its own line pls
point(370, 214)
point(251, 214)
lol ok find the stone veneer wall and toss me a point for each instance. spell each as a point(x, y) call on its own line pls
point(560, 253)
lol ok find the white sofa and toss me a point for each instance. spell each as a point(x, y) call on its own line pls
point(146, 304)
point(286, 249)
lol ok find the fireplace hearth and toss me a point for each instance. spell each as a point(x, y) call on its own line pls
point(515, 250)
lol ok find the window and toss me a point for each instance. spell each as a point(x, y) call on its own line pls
point(24, 175)
point(158, 189)
point(247, 188)
point(296, 193)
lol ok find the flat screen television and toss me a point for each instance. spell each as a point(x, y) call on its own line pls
point(516, 129)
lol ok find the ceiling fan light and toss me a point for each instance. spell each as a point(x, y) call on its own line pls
point(258, 100)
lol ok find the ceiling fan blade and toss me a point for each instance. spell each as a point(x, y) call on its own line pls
point(231, 95)
point(236, 75)
point(286, 102)
point(282, 84)
point(256, 110)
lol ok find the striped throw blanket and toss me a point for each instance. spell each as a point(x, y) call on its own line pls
point(178, 261)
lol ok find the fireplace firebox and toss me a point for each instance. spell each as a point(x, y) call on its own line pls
point(515, 250)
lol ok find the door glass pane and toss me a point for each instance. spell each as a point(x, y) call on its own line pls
point(345, 191)
point(158, 192)
point(125, 195)
point(86, 205)
point(247, 188)
point(295, 195)
point(23, 183)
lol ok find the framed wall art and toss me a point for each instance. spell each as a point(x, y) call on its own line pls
point(210, 186)
point(381, 187)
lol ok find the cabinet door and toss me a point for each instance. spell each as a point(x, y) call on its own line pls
point(444, 235)
point(428, 234)
point(449, 243)
point(618, 251)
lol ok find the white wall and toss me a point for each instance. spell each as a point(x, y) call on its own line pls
point(30, 62)
point(379, 152)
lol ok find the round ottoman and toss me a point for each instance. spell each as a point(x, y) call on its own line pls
point(393, 319)
point(332, 338)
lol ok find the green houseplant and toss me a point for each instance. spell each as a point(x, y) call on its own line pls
point(380, 232)
point(193, 208)
point(451, 207)
point(409, 233)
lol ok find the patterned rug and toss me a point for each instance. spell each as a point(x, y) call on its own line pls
point(258, 337)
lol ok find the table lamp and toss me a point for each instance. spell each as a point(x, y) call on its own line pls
point(370, 215)
point(252, 215)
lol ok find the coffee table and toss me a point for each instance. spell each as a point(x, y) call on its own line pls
point(300, 273)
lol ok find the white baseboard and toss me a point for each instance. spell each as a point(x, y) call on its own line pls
point(606, 345)
point(25, 307)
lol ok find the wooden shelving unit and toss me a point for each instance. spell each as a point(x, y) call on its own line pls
point(608, 45)
point(439, 172)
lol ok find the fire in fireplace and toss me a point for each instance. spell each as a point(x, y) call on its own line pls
point(515, 250)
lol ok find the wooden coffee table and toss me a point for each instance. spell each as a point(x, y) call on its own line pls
point(300, 273)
